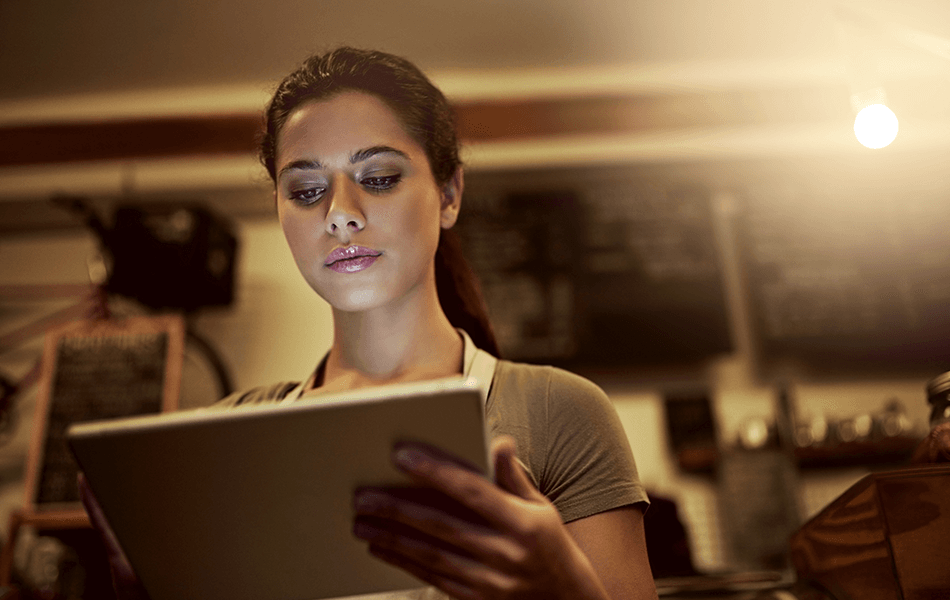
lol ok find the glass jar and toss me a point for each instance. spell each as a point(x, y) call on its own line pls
point(938, 396)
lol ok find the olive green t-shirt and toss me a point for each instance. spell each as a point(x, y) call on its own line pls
point(567, 433)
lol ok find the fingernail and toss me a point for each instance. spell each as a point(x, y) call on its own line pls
point(365, 500)
point(410, 459)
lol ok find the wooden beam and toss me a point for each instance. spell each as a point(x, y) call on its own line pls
point(128, 139)
point(237, 134)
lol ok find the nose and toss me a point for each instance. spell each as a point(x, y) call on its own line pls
point(344, 215)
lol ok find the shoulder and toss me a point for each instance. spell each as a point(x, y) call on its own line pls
point(549, 407)
point(569, 437)
point(546, 383)
point(259, 395)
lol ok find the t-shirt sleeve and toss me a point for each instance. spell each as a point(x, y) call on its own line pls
point(589, 467)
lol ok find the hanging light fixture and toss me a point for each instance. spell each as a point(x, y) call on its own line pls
point(875, 124)
point(862, 36)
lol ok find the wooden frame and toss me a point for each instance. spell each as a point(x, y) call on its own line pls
point(58, 516)
point(148, 340)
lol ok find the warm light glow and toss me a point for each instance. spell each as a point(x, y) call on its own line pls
point(875, 126)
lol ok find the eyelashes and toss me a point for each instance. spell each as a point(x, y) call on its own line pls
point(381, 182)
point(307, 196)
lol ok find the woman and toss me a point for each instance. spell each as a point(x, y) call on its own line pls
point(362, 151)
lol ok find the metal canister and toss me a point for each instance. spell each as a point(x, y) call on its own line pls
point(938, 396)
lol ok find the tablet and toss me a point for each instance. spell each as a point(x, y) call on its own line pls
point(256, 502)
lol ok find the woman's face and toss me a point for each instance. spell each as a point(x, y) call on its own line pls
point(358, 203)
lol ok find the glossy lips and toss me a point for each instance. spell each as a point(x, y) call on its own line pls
point(351, 259)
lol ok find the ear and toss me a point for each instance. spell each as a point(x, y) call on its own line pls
point(452, 199)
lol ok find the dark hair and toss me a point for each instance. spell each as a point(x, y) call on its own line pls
point(430, 121)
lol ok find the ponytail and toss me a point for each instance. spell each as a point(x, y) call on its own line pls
point(460, 293)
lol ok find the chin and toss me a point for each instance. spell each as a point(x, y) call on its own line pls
point(361, 300)
point(355, 300)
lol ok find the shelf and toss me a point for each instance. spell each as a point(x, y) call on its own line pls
point(895, 451)
point(71, 517)
point(888, 451)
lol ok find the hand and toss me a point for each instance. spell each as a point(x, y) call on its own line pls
point(126, 583)
point(472, 538)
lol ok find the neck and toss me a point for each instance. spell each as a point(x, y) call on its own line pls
point(410, 341)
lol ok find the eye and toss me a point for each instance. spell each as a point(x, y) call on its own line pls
point(381, 182)
point(306, 196)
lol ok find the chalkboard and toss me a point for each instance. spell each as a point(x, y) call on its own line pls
point(855, 283)
point(98, 369)
point(596, 267)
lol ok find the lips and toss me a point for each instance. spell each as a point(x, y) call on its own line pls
point(351, 259)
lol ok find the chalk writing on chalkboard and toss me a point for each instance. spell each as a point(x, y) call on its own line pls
point(859, 283)
point(596, 267)
point(99, 370)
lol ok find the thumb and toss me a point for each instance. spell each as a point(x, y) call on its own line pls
point(97, 517)
point(124, 580)
point(509, 474)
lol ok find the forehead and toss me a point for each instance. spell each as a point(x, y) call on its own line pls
point(340, 125)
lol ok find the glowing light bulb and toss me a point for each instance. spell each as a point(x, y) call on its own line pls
point(875, 126)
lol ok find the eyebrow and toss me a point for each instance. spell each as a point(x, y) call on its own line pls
point(361, 155)
point(358, 156)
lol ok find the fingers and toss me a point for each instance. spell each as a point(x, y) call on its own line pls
point(455, 589)
point(456, 509)
point(461, 532)
point(389, 517)
point(429, 467)
point(431, 513)
point(435, 563)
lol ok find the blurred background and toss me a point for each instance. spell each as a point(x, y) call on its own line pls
point(667, 196)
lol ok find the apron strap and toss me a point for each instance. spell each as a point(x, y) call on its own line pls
point(482, 372)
